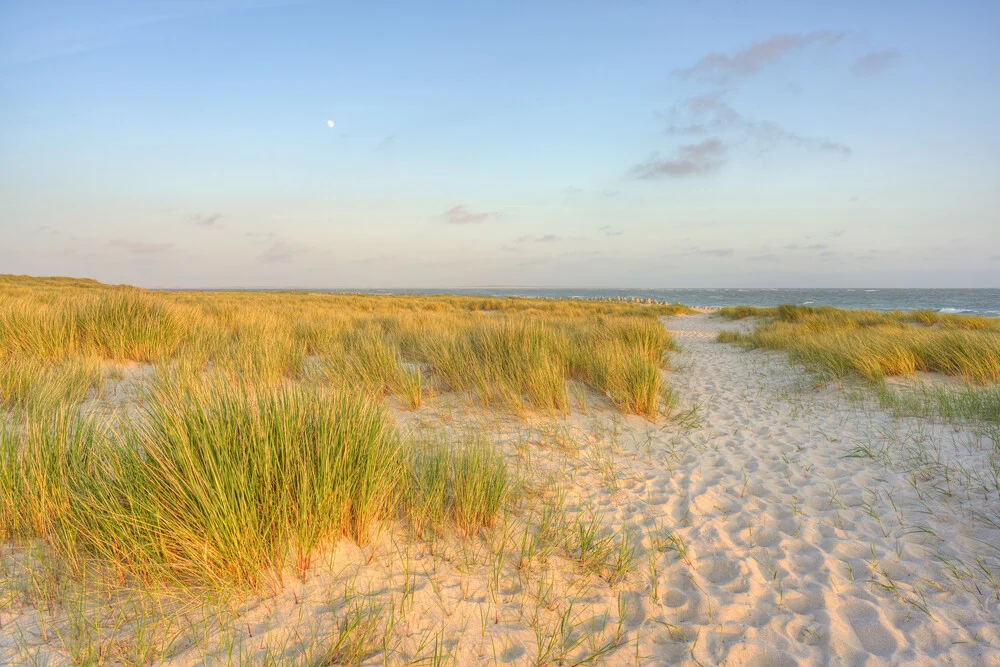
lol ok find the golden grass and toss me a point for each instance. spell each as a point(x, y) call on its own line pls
point(259, 432)
point(119, 324)
point(514, 353)
point(875, 344)
point(214, 485)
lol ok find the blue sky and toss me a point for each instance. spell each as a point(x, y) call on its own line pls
point(627, 144)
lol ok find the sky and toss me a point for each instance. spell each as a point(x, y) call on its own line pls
point(185, 143)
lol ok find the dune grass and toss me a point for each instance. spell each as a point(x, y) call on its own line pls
point(27, 381)
point(875, 345)
point(220, 485)
point(512, 353)
point(119, 324)
point(967, 404)
point(257, 432)
point(41, 456)
point(212, 446)
point(465, 485)
point(213, 486)
point(623, 358)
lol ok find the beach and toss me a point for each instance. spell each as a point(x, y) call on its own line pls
point(776, 518)
point(440, 334)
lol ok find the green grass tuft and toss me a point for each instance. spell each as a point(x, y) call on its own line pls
point(464, 485)
point(876, 345)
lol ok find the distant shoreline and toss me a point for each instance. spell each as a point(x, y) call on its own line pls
point(972, 301)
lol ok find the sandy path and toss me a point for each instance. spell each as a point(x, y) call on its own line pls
point(797, 553)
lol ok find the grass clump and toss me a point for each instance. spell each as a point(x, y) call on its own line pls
point(624, 358)
point(27, 381)
point(743, 312)
point(43, 456)
point(513, 362)
point(127, 324)
point(465, 485)
point(966, 404)
point(515, 353)
point(221, 483)
point(607, 555)
point(210, 486)
point(876, 345)
point(120, 324)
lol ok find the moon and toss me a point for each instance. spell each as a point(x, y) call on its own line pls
point(329, 123)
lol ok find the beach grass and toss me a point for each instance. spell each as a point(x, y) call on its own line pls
point(257, 429)
point(292, 478)
point(514, 353)
point(465, 485)
point(215, 445)
point(876, 345)
point(979, 405)
point(215, 485)
point(28, 381)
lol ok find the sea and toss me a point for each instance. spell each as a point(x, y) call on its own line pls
point(960, 301)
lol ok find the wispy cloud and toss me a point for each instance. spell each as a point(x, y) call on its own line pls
point(463, 215)
point(386, 142)
point(139, 247)
point(875, 62)
point(608, 230)
point(572, 194)
point(697, 250)
point(703, 114)
point(545, 238)
point(710, 113)
point(811, 246)
point(280, 251)
point(48, 29)
point(717, 252)
point(822, 248)
point(207, 219)
point(722, 68)
point(701, 158)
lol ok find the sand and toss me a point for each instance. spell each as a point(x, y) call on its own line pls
point(809, 527)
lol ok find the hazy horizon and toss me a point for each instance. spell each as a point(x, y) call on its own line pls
point(183, 144)
point(500, 286)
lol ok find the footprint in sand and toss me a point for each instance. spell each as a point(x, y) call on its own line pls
point(864, 622)
point(720, 571)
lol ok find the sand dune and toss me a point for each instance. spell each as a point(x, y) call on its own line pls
point(779, 523)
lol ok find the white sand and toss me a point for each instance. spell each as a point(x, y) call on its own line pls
point(812, 510)
point(795, 551)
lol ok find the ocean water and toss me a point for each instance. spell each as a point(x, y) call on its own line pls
point(964, 301)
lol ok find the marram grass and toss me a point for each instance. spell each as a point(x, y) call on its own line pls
point(465, 485)
point(28, 381)
point(215, 485)
point(259, 431)
point(223, 484)
point(120, 324)
point(876, 345)
point(512, 353)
